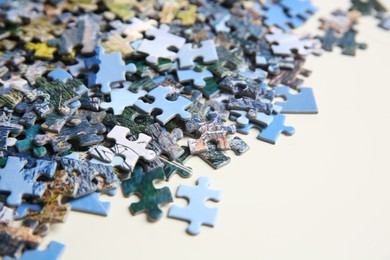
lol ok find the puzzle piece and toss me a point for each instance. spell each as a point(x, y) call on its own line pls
point(41, 50)
point(349, 45)
point(91, 203)
point(290, 77)
point(211, 131)
point(301, 8)
point(197, 77)
point(85, 133)
point(106, 62)
point(122, 98)
point(150, 197)
point(339, 21)
point(214, 157)
point(169, 108)
point(53, 252)
point(270, 133)
point(238, 145)
point(133, 30)
point(301, 103)
point(177, 166)
point(247, 88)
point(252, 105)
point(6, 214)
point(117, 43)
point(197, 213)
point(159, 46)
point(20, 182)
point(275, 16)
point(188, 16)
point(7, 128)
point(85, 33)
point(27, 143)
point(187, 54)
point(130, 150)
point(163, 142)
point(385, 22)
point(243, 117)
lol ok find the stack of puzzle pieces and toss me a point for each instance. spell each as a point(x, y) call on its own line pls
point(97, 94)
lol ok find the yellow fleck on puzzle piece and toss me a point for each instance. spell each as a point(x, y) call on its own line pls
point(188, 16)
point(42, 50)
point(117, 43)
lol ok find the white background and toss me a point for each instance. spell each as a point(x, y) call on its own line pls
point(323, 193)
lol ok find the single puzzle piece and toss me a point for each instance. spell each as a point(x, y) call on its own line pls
point(214, 157)
point(117, 43)
point(301, 8)
point(122, 98)
point(177, 166)
point(159, 46)
point(243, 117)
point(106, 75)
point(290, 77)
point(385, 22)
point(6, 214)
point(14, 239)
point(85, 33)
point(150, 197)
point(7, 128)
point(349, 45)
point(192, 75)
point(287, 44)
point(252, 105)
point(130, 150)
point(196, 213)
point(211, 131)
point(270, 133)
point(41, 50)
point(187, 54)
point(238, 146)
point(188, 16)
point(339, 21)
point(247, 88)
point(133, 30)
point(301, 103)
point(131, 119)
point(85, 133)
point(24, 181)
point(163, 142)
point(91, 203)
point(22, 210)
point(27, 143)
point(89, 177)
point(275, 16)
point(53, 252)
point(169, 108)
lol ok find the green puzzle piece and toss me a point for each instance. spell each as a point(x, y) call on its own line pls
point(28, 142)
point(150, 198)
point(177, 166)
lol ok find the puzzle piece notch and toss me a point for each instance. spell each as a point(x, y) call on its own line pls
point(197, 213)
point(301, 103)
point(130, 150)
point(192, 75)
point(106, 62)
point(24, 181)
point(169, 108)
point(187, 54)
point(120, 99)
point(164, 40)
point(92, 204)
point(150, 197)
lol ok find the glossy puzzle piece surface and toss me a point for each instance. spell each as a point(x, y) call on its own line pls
point(150, 197)
point(197, 213)
point(191, 75)
point(301, 103)
point(187, 54)
point(20, 181)
point(169, 108)
point(120, 99)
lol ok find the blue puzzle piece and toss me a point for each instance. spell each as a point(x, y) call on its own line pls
point(111, 69)
point(53, 252)
point(270, 133)
point(275, 16)
point(301, 103)
point(197, 213)
point(242, 119)
point(22, 209)
point(91, 203)
point(301, 8)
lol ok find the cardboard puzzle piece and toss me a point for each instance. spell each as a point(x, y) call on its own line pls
point(196, 213)
point(252, 105)
point(163, 142)
point(301, 103)
point(177, 166)
point(197, 77)
point(19, 181)
point(291, 77)
point(211, 131)
point(134, 29)
point(247, 88)
point(105, 62)
point(53, 252)
point(7, 214)
point(214, 157)
point(27, 143)
point(92, 204)
point(238, 146)
point(243, 117)
point(169, 108)
point(6, 129)
point(130, 150)
point(301, 8)
point(187, 54)
point(269, 134)
point(150, 197)
point(275, 16)
point(159, 46)
point(121, 98)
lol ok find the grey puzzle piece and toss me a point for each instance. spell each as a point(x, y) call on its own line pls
point(111, 69)
point(122, 98)
point(169, 108)
point(301, 103)
point(197, 77)
point(187, 54)
point(159, 46)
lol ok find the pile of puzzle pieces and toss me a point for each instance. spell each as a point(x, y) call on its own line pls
point(101, 94)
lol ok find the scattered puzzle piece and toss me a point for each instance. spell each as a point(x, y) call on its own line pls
point(196, 213)
point(91, 203)
point(187, 54)
point(301, 103)
point(122, 98)
point(53, 252)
